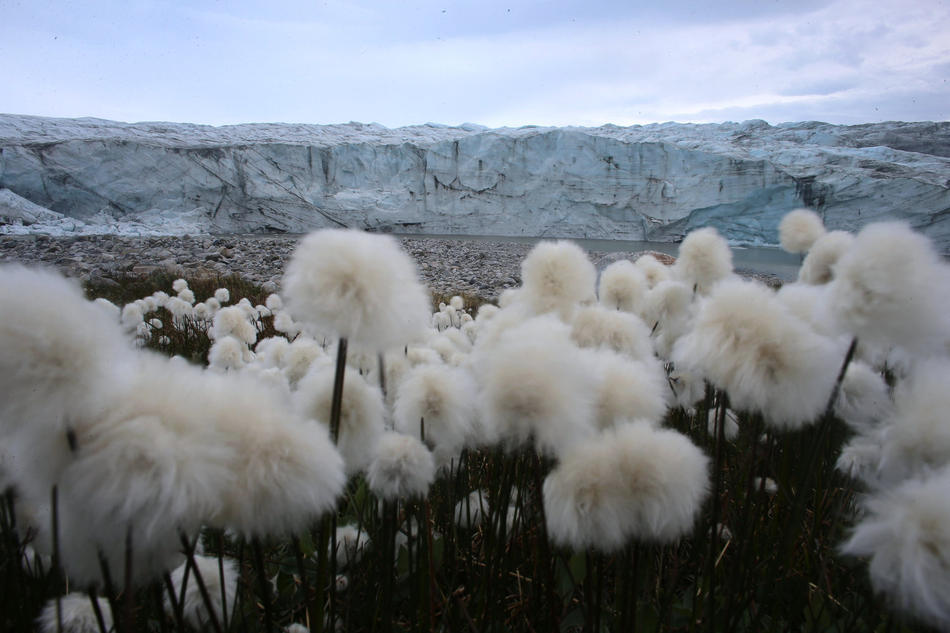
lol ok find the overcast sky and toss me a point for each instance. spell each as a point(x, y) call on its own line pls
point(542, 62)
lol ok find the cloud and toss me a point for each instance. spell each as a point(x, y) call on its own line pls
point(546, 62)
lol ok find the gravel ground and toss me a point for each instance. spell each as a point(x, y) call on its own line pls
point(447, 265)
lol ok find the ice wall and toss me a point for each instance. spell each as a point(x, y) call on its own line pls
point(653, 182)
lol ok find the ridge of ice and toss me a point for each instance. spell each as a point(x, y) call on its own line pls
point(652, 182)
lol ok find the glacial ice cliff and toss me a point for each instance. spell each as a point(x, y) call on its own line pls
point(653, 182)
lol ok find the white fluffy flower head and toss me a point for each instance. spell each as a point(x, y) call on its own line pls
point(704, 259)
point(799, 229)
point(402, 468)
point(557, 276)
point(358, 286)
point(891, 287)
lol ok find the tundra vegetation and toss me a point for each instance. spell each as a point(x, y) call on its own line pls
point(647, 447)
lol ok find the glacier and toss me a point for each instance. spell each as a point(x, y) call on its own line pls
point(654, 182)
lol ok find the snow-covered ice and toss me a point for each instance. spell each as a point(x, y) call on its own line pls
point(654, 182)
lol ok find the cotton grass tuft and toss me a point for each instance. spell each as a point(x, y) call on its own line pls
point(628, 389)
point(557, 276)
point(402, 468)
point(747, 343)
point(906, 535)
point(654, 271)
point(444, 400)
point(633, 482)
point(78, 615)
point(194, 609)
point(917, 437)
point(599, 327)
point(799, 230)
point(622, 286)
point(704, 258)
point(818, 267)
point(533, 386)
point(892, 288)
point(358, 286)
point(361, 414)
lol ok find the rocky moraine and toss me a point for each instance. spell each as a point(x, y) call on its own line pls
point(446, 265)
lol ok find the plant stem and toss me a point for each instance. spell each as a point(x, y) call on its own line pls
point(262, 583)
point(336, 406)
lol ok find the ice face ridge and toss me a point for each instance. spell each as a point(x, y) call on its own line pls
point(653, 182)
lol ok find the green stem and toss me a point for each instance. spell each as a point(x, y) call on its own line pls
point(336, 406)
point(202, 588)
point(262, 584)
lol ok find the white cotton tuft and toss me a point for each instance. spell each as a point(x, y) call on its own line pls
point(730, 428)
point(223, 295)
point(628, 389)
point(161, 298)
point(668, 312)
point(892, 288)
point(818, 267)
point(108, 308)
point(358, 286)
point(288, 471)
point(688, 387)
point(799, 229)
point(417, 355)
point(351, 544)
point(178, 285)
point(131, 316)
point(285, 324)
point(470, 330)
point(556, 277)
point(653, 269)
point(861, 456)
point(174, 448)
point(486, 311)
point(917, 437)
point(747, 343)
point(232, 321)
point(194, 609)
point(634, 481)
point(59, 351)
point(472, 511)
point(533, 386)
point(272, 351)
point(274, 303)
point(443, 400)
point(704, 258)
point(144, 463)
point(810, 304)
point(622, 286)
point(402, 468)
point(459, 339)
point(300, 355)
point(77, 613)
point(599, 327)
point(179, 308)
point(187, 296)
point(212, 304)
point(228, 354)
point(864, 400)
point(457, 302)
point(361, 413)
point(906, 535)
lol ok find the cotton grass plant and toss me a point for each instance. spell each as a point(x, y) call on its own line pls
point(670, 449)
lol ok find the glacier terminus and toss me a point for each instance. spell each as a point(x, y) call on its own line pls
point(653, 182)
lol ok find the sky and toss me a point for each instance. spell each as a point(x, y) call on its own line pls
point(514, 63)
